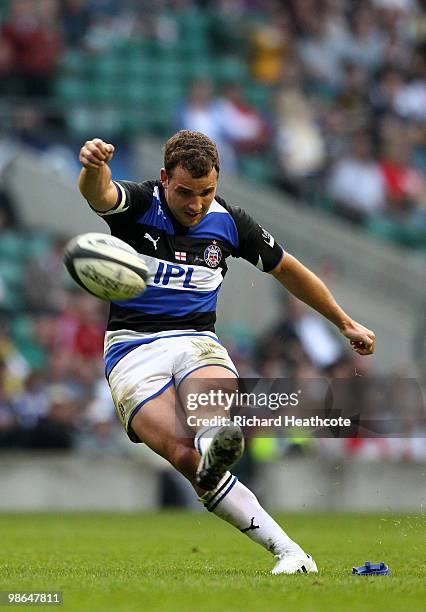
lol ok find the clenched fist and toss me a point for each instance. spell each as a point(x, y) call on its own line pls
point(361, 338)
point(95, 153)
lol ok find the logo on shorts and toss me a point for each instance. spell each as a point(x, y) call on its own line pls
point(122, 412)
point(212, 255)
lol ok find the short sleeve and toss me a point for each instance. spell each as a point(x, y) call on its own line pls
point(256, 244)
point(133, 199)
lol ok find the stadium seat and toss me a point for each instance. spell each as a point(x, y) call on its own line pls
point(80, 120)
point(21, 329)
point(193, 28)
point(199, 67)
point(230, 69)
point(138, 68)
point(73, 62)
point(256, 168)
point(135, 123)
point(23, 336)
point(169, 68)
point(11, 273)
point(12, 246)
point(106, 67)
point(71, 89)
point(13, 301)
point(258, 95)
point(107, 90)
point(138, 92)
point(139, 48)
point(108, 120)
point(37, 244)
point(383, 227)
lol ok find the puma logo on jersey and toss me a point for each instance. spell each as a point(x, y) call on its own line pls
point(151, 239)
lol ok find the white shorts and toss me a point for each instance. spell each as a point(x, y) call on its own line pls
point(140, 366)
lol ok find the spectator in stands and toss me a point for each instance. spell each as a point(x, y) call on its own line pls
point(352, 98)
point(410, 100)
point(388, 84)
point(200, 112)
point(7, 84)
point(32, 403)
point(9, 430)
point(242, 125)
point(100, 433)
point(80, 326)
point(271, 44)
point(75, 21)
point(8, 213)
point(299, 142)
point(405, 184)
point(366, 45)
point(319, 344)
point(322, 50)
point(108, 29)
point(31, 31)
point(56, 430)
point(14, 366)
point(356, 183)
point(44, 280)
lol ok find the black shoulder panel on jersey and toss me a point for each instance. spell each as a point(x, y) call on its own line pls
point(256, 245)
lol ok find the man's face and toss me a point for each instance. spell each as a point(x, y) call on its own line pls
point(189, 198)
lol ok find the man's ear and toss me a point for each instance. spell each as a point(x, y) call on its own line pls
point(163, 177)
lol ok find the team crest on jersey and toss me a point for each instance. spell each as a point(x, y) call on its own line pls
point(212, 255)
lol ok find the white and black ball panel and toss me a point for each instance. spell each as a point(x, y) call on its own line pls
point(97, 243)
point(105, 266)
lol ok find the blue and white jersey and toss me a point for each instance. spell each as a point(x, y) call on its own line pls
point(186, 265)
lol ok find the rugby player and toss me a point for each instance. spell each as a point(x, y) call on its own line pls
point(164, 339)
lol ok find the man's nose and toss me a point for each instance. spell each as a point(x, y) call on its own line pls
point(196, 204)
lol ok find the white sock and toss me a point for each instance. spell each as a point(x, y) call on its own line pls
point(236, 504)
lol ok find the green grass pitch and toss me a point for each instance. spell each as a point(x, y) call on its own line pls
point(182, 561)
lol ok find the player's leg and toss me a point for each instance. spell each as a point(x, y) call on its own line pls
point(230, 499)
point(219, 446)
point(160, 423)
point(156, 425)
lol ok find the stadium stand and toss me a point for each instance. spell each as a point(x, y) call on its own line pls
point(319, 73)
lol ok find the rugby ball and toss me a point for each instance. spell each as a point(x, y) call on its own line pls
point(105, 266)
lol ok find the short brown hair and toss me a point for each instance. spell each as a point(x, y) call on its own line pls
point(194, 151)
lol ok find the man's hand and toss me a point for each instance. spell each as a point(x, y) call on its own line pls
point(95, 153)
point(95, 180)
point(361, 338)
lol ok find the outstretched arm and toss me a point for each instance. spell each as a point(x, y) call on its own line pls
point(95, 180)
point(306, 286)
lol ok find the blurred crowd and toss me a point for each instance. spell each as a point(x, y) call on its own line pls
point(325, 99)
point(54, 396)
point(331, 106)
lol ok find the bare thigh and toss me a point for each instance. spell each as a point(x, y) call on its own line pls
point(204, 380)
point(156, 424)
